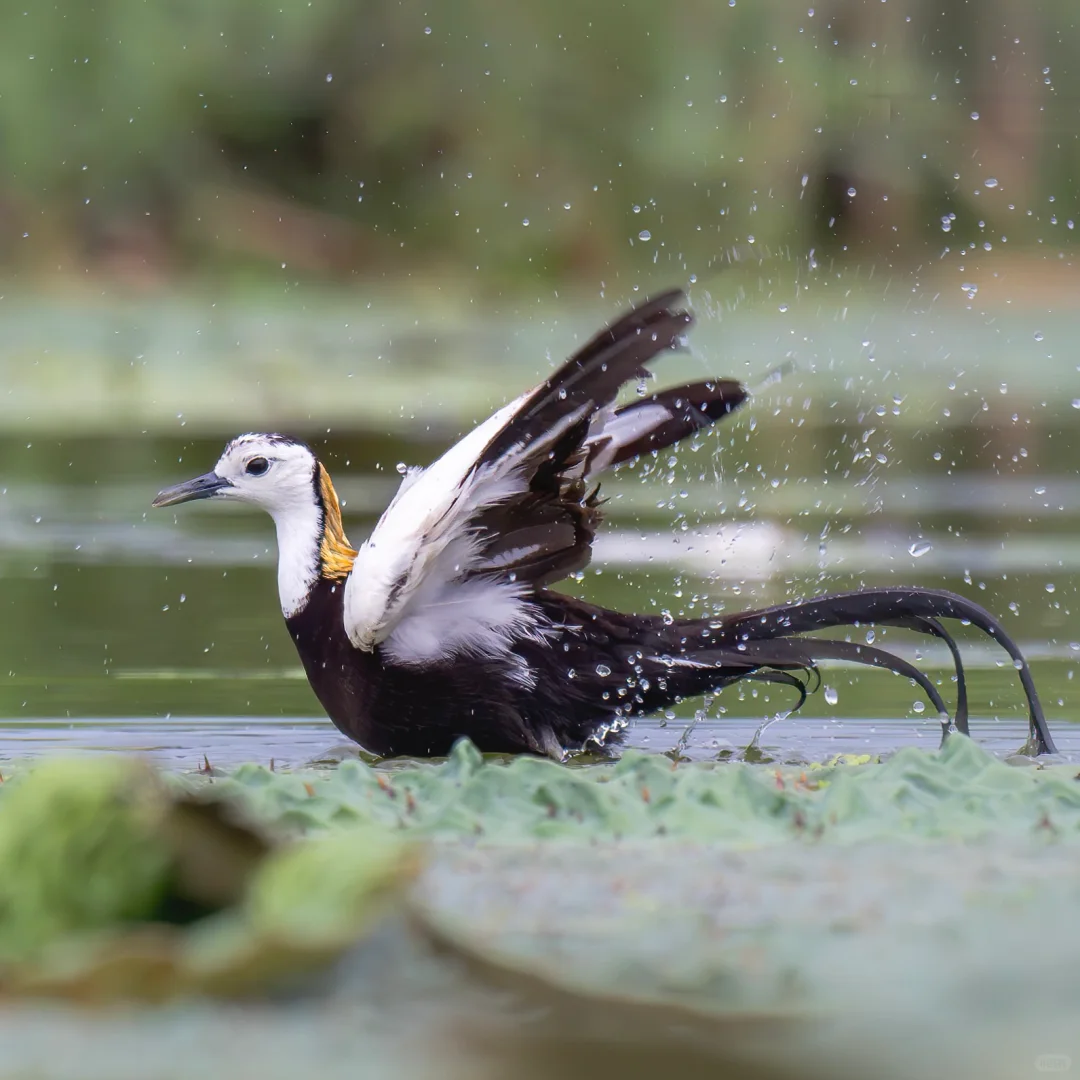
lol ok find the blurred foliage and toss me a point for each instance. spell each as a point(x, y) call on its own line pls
point(116, 884)
point(528, 140)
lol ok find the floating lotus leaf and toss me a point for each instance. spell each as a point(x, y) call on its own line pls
point(959, 792)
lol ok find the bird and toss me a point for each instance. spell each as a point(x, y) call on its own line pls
point(444, 623)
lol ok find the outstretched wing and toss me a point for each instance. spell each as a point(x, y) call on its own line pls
point(513, 506)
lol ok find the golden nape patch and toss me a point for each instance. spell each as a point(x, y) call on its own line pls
point(336, 557)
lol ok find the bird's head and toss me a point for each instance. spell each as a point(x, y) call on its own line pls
point(284, 478)
point(273, 472)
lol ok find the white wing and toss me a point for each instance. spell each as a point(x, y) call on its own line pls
point(423, 547)
point(451, 564)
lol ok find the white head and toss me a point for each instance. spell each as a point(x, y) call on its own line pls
point(270, 471)
point(285, 478)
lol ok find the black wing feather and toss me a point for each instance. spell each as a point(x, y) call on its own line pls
point(546, 533)
point(643, 426)
point(593, 376)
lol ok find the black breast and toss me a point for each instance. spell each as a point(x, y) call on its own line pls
point(345, 680)
point(416, 710)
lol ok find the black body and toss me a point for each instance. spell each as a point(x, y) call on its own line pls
point(601, 668)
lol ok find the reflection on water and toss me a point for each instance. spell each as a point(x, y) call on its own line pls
point(827, 482)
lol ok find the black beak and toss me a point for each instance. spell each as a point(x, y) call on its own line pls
point(202, 487)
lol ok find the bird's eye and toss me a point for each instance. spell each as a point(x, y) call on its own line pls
point(257, 466)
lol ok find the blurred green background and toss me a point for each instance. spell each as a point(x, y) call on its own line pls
point(504, 145)
point(370, 223)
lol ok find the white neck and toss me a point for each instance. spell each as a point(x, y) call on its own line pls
point(298, 536)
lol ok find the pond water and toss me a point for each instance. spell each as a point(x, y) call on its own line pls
point(926, 445)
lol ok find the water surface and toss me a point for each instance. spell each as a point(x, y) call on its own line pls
point(900, 452)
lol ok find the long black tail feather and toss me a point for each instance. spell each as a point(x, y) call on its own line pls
point(932, 626)
point(782, 654)
point(785, 678)
point(911, 608)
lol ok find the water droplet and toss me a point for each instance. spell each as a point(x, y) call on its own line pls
point(1076, 402)
point(566, 206)
point(1051, 587)
point(783, 308)
point(525, 222)
point(851, 193)
point(427, 29)
point(329, 77)
point(636, 208)
point(918, 707)
point(644, 235)
point(920, 548)
point(1038, 335)
point(402, 467)
point(831, 696)
point(603, 670)
point(990, 182)
point(870, 637)
point(974, 116)
point(750, 239)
